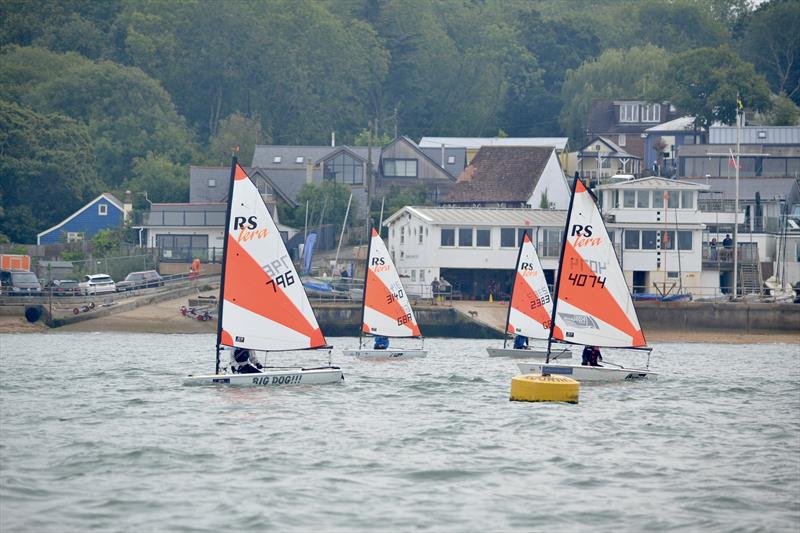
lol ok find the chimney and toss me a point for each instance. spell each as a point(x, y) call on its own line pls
point(127, 205)
point(309, 171)
point(333, 139)
point(442, 155)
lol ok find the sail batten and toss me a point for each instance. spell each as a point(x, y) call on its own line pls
point(386, 309)
point(264, 304)
point(594, 306)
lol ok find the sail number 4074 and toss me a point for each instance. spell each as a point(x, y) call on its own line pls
point(581, 280)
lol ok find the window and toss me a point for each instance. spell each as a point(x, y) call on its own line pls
point(402, 235)
point(102, 209)
point(74, 236)
point(508, 238)
point(672, 202)
point(420, 234)
point(649, 239)
point(632, 239)
point(276, 159)
point(465, 236)
point(483, 238)
point(651, 113)
point(629, 198)
point(448, 236)
point(622, 139)
point(672, 275)
point(422, 275)
point(299, 159)
point(774, 167)
point(413, 275)
point(667, 240)
point(605, 162)
point(212, 183)
point(400, 168)
point(684, 240)
point(687, 200)
point(629, 113)
point(762, 134)
point(344, 169)
point(182, 247)
point(658, 199)
point(451, 160)
point(642, 199)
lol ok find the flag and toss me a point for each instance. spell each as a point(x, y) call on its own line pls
point(739, 105)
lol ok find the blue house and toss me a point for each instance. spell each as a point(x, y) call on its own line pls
point(104, 212)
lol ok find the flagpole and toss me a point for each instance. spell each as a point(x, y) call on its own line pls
point(736, 203)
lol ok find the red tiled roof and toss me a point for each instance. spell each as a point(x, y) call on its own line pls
point(500, 174)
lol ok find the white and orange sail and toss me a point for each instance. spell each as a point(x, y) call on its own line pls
point(593, 305)
point(264, 305)
point(531, 306)
point(387, 310)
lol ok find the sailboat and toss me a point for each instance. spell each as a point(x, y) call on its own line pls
point(530, 306)
point(262, 305)
point(386, 310)
point(592, 305)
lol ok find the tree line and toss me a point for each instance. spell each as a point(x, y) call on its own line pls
point(126, 94)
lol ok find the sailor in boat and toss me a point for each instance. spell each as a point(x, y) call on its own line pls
point(520, 342)
point(381, 342)
point(244, 362)
point(591, 356)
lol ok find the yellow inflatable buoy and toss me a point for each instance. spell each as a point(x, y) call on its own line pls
point(537, 388)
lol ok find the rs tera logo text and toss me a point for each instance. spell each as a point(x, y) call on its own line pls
point(247, 227)
point(584, 233)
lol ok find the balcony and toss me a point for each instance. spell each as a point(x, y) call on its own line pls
point(721, 258)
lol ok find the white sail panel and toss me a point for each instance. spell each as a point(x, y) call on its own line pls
point(387, 310)
point(594, 305)
point(531, 305)
point(260, 278)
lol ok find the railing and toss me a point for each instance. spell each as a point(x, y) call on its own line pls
point(187, 254)
point(183, 218)
point(723, 257)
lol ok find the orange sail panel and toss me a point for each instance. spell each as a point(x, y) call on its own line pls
point(387, 310)
point(531, 305)
point(265, 305)
point(594, 304)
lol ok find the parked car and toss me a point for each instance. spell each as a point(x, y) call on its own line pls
point(20, 283)
point(97, 284)
point(64, 287)
point(140, 280)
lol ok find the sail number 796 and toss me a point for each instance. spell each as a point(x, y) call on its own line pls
point(284, 279)
point(581, 280)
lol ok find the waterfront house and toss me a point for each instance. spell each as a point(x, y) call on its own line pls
point(105, 212)
point(601, 158)
point(512, 176)
point(473, 248)
point(661, 144)
point(624, 122)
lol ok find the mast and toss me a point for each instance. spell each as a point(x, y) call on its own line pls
point(736, 203)
point(234, 161)
point(560, 265)
point(364, 295)
point(513, 286)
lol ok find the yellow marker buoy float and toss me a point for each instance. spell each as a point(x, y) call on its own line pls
point(537, 388)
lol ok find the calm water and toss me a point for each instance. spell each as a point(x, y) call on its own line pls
point(98, 433)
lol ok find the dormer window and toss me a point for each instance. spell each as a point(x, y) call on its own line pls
point(651, 113)
point(212, 183)
point(629, 112)
point(451, 160)
point(276, 159)
point(299, 160)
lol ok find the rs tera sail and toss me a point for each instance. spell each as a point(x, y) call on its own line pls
point(531, 305)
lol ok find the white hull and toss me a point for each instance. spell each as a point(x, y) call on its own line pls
point(385, 355)
point(272, 377)
point(586, 373)
point(528, 354)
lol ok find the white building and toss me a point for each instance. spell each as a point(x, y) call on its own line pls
point(474, 249)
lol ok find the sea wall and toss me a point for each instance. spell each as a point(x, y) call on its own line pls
point(344, 319)
point(740, 317)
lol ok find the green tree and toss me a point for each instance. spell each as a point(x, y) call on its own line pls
point(161, 178)
point(327, 201)
point(127, 113)
point(46, 170)
point(705, 83)
point(771, 41)
point(234, 131)
point(784, 112)
point(633, 73)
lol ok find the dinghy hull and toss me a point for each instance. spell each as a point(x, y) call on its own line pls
point(586, 373)
point(528, 354)
point(272, 377)
point(385, 355)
